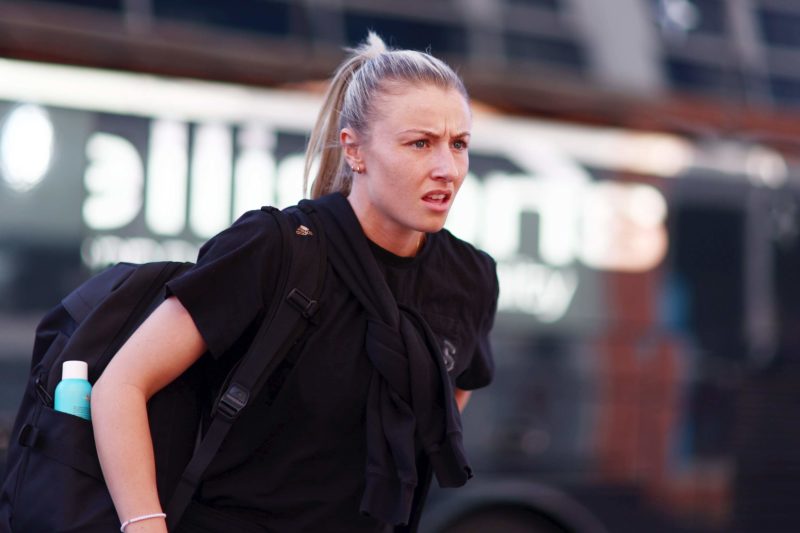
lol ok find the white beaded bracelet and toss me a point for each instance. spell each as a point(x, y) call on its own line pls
point(140, 518)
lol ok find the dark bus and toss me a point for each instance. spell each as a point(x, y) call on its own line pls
point(665, 400)
point(645, 341)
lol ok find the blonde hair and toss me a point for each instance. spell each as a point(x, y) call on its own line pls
point(349, 103)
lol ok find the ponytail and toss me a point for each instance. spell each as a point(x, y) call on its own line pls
point(333, 174)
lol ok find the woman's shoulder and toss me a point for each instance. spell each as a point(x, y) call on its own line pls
point(466, 273)
point(252, 228)
point(258, 221)
point(464, 256)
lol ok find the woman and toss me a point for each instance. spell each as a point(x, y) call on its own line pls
point(392, 141)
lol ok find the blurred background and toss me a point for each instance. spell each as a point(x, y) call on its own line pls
point(634, 171)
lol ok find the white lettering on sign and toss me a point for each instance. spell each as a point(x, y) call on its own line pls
point(467, 213)
point(113, 180)
point(103, 250)
point(290, 180)
point(212, 168)
point(536, 289)
point(167, 177)
point(623, 227)
point(254, 170)
point(507, 197)
point(604, 225)
point(27, 141)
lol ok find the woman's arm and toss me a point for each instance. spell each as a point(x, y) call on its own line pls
point(163, 347)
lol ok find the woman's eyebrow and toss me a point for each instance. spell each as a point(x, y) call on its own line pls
point(432, 133)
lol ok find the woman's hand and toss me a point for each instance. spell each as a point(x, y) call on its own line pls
point(462, 397)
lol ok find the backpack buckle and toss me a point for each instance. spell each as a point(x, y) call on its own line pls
point(307, 307)
point(233, 401)
point(28, 436)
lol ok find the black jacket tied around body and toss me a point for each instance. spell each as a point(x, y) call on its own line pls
point(411, 408)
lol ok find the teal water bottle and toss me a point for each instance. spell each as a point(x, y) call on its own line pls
point(74, 391)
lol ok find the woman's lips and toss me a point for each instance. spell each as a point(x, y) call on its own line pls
point(438, 200)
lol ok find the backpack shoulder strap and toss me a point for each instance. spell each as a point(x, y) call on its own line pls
point(303, 261)
point(80, 302)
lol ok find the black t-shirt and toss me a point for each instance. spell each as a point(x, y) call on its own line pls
point(295, 459)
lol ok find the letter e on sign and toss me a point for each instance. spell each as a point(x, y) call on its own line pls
point(114, 180)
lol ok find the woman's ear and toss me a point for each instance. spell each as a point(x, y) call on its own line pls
point(351, 147)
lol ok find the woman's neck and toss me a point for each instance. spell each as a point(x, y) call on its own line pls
point(404, 242)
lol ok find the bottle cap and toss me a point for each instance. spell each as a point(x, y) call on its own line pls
point(75, 370)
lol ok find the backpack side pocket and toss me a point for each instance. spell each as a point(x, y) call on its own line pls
point(63, 486)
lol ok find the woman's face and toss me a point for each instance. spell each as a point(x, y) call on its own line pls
point(413, 161)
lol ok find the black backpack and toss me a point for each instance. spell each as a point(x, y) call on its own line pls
point(53, 481)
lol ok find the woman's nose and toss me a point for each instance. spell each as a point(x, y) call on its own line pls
point(445, 167)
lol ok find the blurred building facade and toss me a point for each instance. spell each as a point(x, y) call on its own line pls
point(552, 56)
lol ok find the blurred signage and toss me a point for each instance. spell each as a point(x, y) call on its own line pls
point(167, 164)
point(26, 147)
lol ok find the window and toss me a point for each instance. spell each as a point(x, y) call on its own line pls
point(243, 15)
point(403, 33)
point(709, 258)
point(542, 49)
point(712, 17)
point(695, 77)
point(785, 91)
point(554, 5)
point(106, 5)
point(782, 29)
